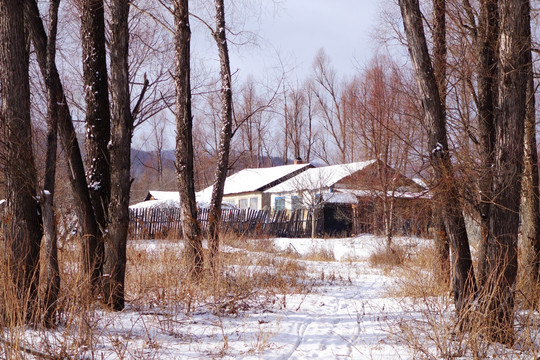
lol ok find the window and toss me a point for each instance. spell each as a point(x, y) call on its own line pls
point(253, 203)
point(279, 203)
point(243, 203)
point(296, 203)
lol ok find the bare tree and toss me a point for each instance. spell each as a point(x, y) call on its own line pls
point(97, 119)
point(529, 214)
point(311, 190)
point(159, 140)
point(114, 267)
point(23, 228)
point(49, 272)
point(68, 139)
point(487, 94)
point(226, 132)
point(376, 103)
point(286, 126)
point(440, 69)
point(151, 56)
point(311, 134)
point(299, 120)
point(184, 140)
point(156, 140)
point(251, 125)
point(446, 192)
point(514, 45)
point(328, 97)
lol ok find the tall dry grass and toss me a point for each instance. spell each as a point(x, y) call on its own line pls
point(429, 327)
point(251, 275)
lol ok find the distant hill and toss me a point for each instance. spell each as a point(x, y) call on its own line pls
point(142, 160)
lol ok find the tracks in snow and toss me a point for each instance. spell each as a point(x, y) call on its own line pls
point(331, 330)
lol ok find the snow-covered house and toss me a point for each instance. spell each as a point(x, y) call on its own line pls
point(343, 183)
point(305, 188)
point(246, 189)
point(341, 190)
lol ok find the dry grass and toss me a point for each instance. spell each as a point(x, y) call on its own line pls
point(388, 257)
point(429, 327)
point(320, 254)
point(416, 278)
point(253, 274)
point(246, 279)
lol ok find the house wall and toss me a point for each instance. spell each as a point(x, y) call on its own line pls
point(287, 198)
point(252, 200)
point(370, 179)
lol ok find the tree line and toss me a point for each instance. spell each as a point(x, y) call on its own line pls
point(494, 101)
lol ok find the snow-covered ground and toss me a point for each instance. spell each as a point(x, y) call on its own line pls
point(348, 313)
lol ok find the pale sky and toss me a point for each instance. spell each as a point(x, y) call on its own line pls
point(302, 27)
point(289, 33)
point(296, 29)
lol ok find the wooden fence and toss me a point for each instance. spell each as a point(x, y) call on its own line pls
point(156, 222)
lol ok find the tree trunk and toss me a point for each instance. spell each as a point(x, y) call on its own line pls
point(286, 127)
point(114, 268)
point(49, 277)
point(23, 228)
point(388, 219)
point(184, 141)
point(49, 271)
point(498, 294)
point(314, 218)
point(487, 80)
point(68, 138)
point(442, 247)
point(226, 133)
point(445, 193)
point(530, 216)
point(98, 123)
point(439, 67)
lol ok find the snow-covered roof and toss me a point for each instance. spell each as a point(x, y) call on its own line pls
point(157, 204)
point(249, 180)
point(163, 195)
point(339, 198)
point(168, 199)
point(320, 178)
point(170, 203)
point(420, 182)
point(394, 194)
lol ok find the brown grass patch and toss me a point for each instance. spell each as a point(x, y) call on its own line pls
point(388, 257)
point(320, 254)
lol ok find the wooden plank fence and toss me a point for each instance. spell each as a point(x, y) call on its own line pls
point(159, 223)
